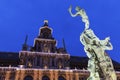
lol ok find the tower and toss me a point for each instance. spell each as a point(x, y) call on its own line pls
point(44, 53)
point(45, 41)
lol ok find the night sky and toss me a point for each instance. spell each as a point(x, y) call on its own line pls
point(19, 18)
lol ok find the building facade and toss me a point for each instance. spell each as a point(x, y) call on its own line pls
point(44, 61)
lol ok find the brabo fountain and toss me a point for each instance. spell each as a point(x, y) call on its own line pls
point(99, 65)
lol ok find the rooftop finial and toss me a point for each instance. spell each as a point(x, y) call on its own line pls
point(64, 45)
point(25, 46)
point(45, 22)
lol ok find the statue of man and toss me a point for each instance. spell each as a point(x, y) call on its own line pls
point(99, 62)
point(98, 59)
point(80, 12)
point(86, 39)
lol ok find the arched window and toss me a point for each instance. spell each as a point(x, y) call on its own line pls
point(61, 78)
point(28, 78)
point(45, 78)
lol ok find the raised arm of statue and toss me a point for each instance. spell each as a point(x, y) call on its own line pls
point(80, 12)
point(106, 44)
point(70, 11)
point(109, 46)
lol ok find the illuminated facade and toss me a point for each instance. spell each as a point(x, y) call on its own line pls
point(44, 61)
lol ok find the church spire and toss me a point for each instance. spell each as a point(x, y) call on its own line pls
point(25, 46)
point(64, 45)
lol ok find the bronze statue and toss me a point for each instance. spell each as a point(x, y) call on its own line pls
point(82, 13)
point(99, 62)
